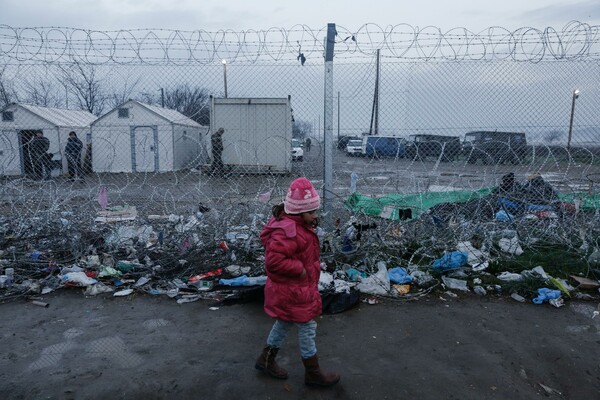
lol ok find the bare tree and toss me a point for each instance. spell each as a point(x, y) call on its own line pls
point(7, 92)
point(193, 102)
point(120, 96)
point(41, 92)
point(553, 136)
point(83, 83)
point(301, 129)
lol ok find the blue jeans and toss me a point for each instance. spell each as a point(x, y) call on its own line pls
point(306, 336)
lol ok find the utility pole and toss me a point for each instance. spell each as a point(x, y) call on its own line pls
point(224, 62)
point(374, 126)
point(162, 97)
point(575, 96)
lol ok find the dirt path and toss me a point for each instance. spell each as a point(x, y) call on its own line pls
point(152, 348)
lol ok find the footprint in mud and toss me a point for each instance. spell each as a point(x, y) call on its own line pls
point(155, 323)
point(114, 349)
point(51, 355)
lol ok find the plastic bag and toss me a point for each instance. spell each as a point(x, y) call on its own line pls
point(510, 246)
point(244, 281)
point(456, 284)
point(509, 276)
point(378, 283)
point(451, 260)
point(545, 294)
point(399, 275)
point(334, 303)
point(97, 288)
point(79, 278)
point(325, 281)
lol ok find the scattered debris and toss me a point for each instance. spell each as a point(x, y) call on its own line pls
point(448, 239)
point(518, 297)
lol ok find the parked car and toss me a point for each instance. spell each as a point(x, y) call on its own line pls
point(343, 141)
point(421, 146)
point(384, 146)
point(354, 147)
point(297, 150)
point(492, 147)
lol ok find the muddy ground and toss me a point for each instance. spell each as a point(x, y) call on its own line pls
point(146, 347)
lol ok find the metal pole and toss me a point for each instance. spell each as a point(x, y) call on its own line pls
point(328, 127)
point(225, 76)
point(575, 96)
point(377, 97)
point(162, 97)
point(338, 124)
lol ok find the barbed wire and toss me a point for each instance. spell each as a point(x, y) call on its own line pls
point(575, 41)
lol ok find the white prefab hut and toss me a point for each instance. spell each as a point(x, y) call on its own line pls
point(137, 137)
point(258, 132)
point(21, 122)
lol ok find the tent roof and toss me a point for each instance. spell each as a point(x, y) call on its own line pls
point(61, 117)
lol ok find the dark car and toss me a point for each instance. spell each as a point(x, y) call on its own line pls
point(492, 147)
point(422, 146)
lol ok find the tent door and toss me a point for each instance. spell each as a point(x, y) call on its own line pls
point(25, 137)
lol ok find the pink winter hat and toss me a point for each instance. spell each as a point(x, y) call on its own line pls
point(301, 197)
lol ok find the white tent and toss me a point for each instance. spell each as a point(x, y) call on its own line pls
point(20, 122)
point(137, 137)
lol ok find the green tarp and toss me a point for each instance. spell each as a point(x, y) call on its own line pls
point(391, 206)
point(587, 201)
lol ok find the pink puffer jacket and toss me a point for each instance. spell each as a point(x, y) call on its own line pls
point(290, 247)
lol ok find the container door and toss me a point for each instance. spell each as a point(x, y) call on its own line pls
point(144, 152)
point(9, 153)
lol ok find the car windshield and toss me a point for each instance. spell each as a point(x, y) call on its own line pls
point(355, 143)
point(295, 143)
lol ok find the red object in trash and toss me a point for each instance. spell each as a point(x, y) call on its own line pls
point(197, 278)
point(224, 246)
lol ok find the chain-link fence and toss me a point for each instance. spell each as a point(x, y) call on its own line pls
point(424, 125)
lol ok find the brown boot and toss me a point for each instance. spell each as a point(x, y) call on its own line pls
point(313, 375)
point(266, 362)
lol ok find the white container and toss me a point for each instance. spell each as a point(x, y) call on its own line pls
point(258, 133)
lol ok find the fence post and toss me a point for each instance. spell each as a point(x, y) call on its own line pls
point(328, 131)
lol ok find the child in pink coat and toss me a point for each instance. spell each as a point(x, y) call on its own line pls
point(291, 292)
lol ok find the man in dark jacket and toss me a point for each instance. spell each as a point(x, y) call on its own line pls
point(73, 154)
point(216, 141)
point(42, 161)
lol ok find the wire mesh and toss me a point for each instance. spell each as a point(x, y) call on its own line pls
point(434, 112)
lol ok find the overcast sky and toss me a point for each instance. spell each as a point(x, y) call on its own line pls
point(212, 15)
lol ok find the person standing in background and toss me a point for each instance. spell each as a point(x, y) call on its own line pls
point(73, 154)
point(216, 141)
point(38, 148)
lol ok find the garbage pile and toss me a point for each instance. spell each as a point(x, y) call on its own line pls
point(449, 248)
